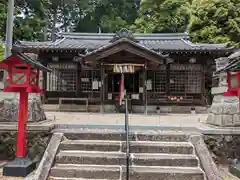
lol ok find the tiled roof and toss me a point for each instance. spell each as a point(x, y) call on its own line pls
point(92, 41)
point(124, 40)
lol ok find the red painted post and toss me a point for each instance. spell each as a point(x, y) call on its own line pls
point(21, 140)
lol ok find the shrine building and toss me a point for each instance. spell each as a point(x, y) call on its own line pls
point(161, 71)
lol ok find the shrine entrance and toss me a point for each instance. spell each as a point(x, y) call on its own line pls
point(123, 59)
point(132, 85)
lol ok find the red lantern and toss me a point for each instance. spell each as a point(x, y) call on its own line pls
point(23, 78)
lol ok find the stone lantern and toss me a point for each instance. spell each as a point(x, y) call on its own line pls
point(225, 110)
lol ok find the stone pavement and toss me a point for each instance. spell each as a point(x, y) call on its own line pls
point(192, 122)
point(187, 120)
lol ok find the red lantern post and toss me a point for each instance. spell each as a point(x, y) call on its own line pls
point(23, 78)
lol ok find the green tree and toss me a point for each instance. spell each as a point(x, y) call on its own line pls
point(28, 19)
point(107, 16)
point(215, 21)
point(1, 51)
point(162, 16)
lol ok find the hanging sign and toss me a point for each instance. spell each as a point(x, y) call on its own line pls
point(123, 68)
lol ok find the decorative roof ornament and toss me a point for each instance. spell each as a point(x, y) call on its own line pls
point(124, 33)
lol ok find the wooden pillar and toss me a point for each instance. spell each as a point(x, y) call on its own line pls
point(78, 80)
point(204, 96)
point(145, 88)
point(102, 90)
point(168, 78)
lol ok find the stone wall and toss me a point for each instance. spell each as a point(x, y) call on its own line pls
point(36, 144)
point(9, 104)
point(225, 148)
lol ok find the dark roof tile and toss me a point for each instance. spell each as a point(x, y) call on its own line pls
point(92, 41)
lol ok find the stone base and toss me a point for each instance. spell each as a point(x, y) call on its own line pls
point(9, 105)
point(20, 167)
point(225, 111)
point(151, 109)
point(235, 170)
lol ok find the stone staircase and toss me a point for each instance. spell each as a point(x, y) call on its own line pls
point(101, 155)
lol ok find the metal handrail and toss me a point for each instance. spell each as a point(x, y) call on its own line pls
point(127, 139)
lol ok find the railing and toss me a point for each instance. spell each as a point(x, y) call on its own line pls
point(127, 139)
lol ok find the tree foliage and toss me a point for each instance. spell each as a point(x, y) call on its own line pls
point(215, 21)
point(162, 16)
point(108, 16)
point(1, 51)
point(208, 21)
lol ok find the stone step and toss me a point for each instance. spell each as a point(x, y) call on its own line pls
point(161, 147)
point(119, 158)
point(119, 135)
point(86, 171)
point(181, 160)
point(91, 157)
point(136, 172)
point(63, 178)
point(135, 146)
point(164, 173)
point(91, 145)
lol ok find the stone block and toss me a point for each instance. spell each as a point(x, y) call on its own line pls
point(230, 108)
point(218, 90)
point(236, 119)
point(218, 99)
point(227, 120)
point(109, 108)
point(217, 108)
point(210, 119)
point(165, 109)
point(217, 120)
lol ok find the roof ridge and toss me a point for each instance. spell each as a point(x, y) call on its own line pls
point(109, 36)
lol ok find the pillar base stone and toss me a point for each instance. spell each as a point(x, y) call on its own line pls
point(19, 167)
point(9, 105)
point(224, 111)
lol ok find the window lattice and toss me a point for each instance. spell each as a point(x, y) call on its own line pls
point(185, 78)
point(158, 79)
point(63, 77)
point(90, 80)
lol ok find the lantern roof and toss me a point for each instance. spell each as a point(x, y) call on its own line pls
point(233, 65)
point(19, 58)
